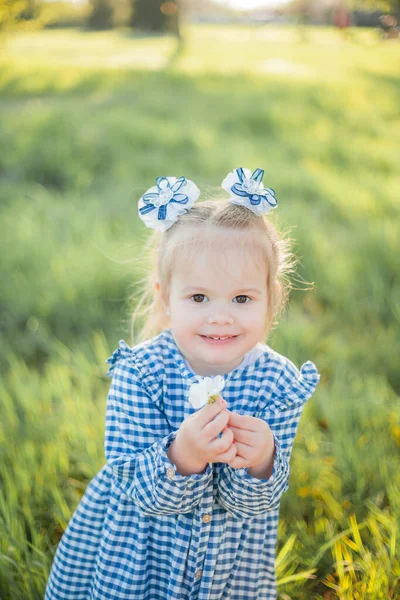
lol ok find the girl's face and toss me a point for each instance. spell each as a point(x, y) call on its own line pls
point(222, 296)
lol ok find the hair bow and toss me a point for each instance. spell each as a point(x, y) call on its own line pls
point(162, 204)
point(247, 189)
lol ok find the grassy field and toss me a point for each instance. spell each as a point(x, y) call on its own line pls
point(87, 121)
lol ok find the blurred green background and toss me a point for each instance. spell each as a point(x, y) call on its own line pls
point(88, 120)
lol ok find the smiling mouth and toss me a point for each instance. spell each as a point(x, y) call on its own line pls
point(219, 338)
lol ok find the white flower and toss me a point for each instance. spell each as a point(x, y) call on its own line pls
point(162, 204)
point(205, 391)
point(247, 189)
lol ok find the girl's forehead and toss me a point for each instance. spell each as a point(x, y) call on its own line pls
point(219, 242)
point(221, 259)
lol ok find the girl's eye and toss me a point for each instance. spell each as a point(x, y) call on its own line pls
point(198, 298)
point(242, 299)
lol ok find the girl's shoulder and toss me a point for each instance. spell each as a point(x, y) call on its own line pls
point(151, 357)
point(288, 384)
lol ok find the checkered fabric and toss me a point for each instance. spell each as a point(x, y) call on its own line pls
point(143, 531)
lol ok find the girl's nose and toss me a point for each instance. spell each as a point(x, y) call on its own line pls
point(221, 319)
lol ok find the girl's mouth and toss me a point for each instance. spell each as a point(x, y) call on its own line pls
point(219, 341)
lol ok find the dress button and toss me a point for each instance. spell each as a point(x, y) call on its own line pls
point(199, 573)
point(206, 518)
point(171, 472)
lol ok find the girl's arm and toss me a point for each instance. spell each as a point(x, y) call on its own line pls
point(244, 495)
point(137, 439)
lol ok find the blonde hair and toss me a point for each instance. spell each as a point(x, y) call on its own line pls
point(190, 233)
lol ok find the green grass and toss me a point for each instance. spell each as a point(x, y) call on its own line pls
point(88, 120)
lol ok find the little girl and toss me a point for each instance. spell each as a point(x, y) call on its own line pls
point(200, 418)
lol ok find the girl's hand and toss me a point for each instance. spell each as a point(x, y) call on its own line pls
point(196, 444)
point(254, 443)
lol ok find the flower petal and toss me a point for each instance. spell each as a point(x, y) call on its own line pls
point(197, 395)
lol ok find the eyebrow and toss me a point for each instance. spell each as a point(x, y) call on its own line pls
point(203, 290)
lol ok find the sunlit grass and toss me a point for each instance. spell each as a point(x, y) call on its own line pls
point(87, 123)
point(338, 529)
point(286, 51)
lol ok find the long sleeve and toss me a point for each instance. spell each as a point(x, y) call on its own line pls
point(244, 496)
point(137, 438)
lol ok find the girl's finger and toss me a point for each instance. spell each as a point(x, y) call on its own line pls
point(242, 435)
point(222, 443)
point(226, 456)
point(211, 430)
point(243, 422)
point(209, 412)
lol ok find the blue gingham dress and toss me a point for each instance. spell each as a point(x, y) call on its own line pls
point(143, 531)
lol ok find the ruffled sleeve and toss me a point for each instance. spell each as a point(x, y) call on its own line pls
point(243, 495)
point(122, 352)
point(137, 438)
point(295, 386)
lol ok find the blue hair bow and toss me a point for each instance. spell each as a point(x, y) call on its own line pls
point(162, 204)
point(247, 189)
